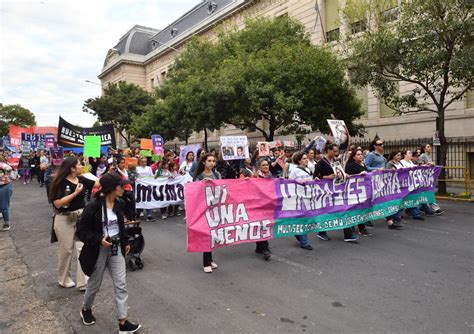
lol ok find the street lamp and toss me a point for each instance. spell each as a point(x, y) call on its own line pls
point(94, 83)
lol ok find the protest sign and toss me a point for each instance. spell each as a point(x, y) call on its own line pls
point(16, 131)
point(227, 212)
point(151, 193)
point(129, 161)
point(234, 147)
point(35, 140)
point(92, 146)
point(156, 158)
point(145, 153)
point(157, 145)
point(289, 143)
point(184, 150)
point(340, 133)
point(274, 144)
point(146, 144)
point(49, 140)
point(14, 162)
point(436, 141)
point(263, 149)
point(57, 155)
point(340, 174)
point(73, 136)
point(320, 143)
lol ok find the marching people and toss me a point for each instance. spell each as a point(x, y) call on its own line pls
point(375, 159)
point(407, 162)
point(102, 230)
point(205, 171)
point(143, 170)
point(67, 194)
point(6, 191)
point(355, 166)
point(43, 165)
point(186, 165)
point(324, 170)
point(25, 168)
point(426, 159)
point(301, 174)
point(394, 163)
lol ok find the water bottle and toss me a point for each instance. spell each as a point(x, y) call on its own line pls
point(66, 193)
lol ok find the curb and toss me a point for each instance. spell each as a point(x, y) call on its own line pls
point(454, 199)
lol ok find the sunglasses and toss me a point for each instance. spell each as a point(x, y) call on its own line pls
point(378, 144)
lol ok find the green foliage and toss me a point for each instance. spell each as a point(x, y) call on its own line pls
point(268, 71)
point(118, 104)
point(14, 114)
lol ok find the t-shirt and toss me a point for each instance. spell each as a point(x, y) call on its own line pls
point(78, 201)
point(425, 159)
point(353, 168)
point(323, 168)
point(111, 226)
point(100, 170)
point(311, 166)
point(406, 164)
point(214, 176)
point(143, 171)
point(185, 167)
point(300, 174)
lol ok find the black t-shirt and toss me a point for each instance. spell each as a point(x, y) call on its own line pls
point(78, 201)
point(323, 168)
point(353, 168)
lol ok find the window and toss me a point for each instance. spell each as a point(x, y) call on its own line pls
point(211, 7)
point(332, 20)
point(470, 99)
point(152, 82)
point(385, 111)
point(358, 26)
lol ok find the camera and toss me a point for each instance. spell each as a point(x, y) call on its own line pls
point(115, 241)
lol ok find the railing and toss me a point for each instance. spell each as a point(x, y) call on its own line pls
point(466, 179)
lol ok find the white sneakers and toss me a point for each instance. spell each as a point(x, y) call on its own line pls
point(208, 269)
point(69, 283)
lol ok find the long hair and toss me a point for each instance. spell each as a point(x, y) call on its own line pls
point(202, 162)
point(353, 153)
point(61, 174)
point(297, 156)
point(393, 154)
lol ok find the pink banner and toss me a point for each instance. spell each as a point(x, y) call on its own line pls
point(235, 212)
point(16, 131)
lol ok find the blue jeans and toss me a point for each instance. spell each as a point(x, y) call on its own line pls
point(6, 192)
point(414, 212)
point(303, 239)
point(148, 213)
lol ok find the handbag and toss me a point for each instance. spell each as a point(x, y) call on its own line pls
point(54, 237)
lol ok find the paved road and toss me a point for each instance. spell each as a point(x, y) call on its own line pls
point(419, 280)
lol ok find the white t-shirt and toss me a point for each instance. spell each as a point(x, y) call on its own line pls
point(300, 174)
point(311, 166)
point(111, 228)
point(405, 163)
point(185, 166)
point(144, 171)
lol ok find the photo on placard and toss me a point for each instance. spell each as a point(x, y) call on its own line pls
point(234, 147)
point(340, 133)
point(263, 149)
point(340, 175)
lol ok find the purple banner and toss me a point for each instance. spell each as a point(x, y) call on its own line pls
point(158, 145)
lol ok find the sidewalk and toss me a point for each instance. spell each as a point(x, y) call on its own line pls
point(20, 310)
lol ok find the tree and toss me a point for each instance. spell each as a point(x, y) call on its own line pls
point(14, 114)
point(118, 104)
point(429, 46)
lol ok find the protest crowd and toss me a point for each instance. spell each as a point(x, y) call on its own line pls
point(93, 198)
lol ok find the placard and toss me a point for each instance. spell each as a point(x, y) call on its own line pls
point(234, 147)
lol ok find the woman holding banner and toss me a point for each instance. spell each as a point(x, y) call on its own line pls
point(67, 195)
point(324, 170)
point(6, 191)
point(355, 166)
point(394, 163)
point(301, 174)
point(205, 171)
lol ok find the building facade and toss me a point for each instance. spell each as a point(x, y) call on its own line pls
point(144, 56)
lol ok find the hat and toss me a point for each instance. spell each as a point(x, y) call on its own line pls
point(110, 181)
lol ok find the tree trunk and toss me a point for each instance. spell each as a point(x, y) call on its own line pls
point(443, 153)
point(205, 140)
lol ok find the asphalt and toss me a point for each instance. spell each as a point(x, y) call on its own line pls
point(418, 280)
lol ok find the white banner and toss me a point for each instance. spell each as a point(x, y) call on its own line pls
point(151, 193)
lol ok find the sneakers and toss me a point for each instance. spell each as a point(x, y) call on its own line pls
point(87, 317)
point(365, 233)
point(207, 269)
point(163, 216)
point(395, 226)
point(307, 247)
point(179, 214)
point(352, 238)
point(324, 237)
point(128, 327)
point(439, 212)
point(6, 226)
point(69, 284)
point(214, 265)
point(419, 218)
point(267, 255)
point(150, 219)
point(369, 224)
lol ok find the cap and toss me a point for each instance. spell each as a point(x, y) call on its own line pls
point(110, 181)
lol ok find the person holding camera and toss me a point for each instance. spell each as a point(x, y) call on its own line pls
point(102, 230)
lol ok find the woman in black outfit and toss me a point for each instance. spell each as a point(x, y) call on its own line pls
point(355, 166)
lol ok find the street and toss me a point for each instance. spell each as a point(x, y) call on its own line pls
point(417, 280)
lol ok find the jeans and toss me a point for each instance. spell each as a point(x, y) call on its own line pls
point(397, 216)
point(116, 266)
point(262, 245)
point(148, 213)
point(414, 212)
point(347, 233)
point(206, 259)
point(303, 239)
point(6, 192)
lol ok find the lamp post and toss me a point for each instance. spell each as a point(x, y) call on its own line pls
point(94, 83)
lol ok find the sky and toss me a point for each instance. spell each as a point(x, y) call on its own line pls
point(49, 48)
